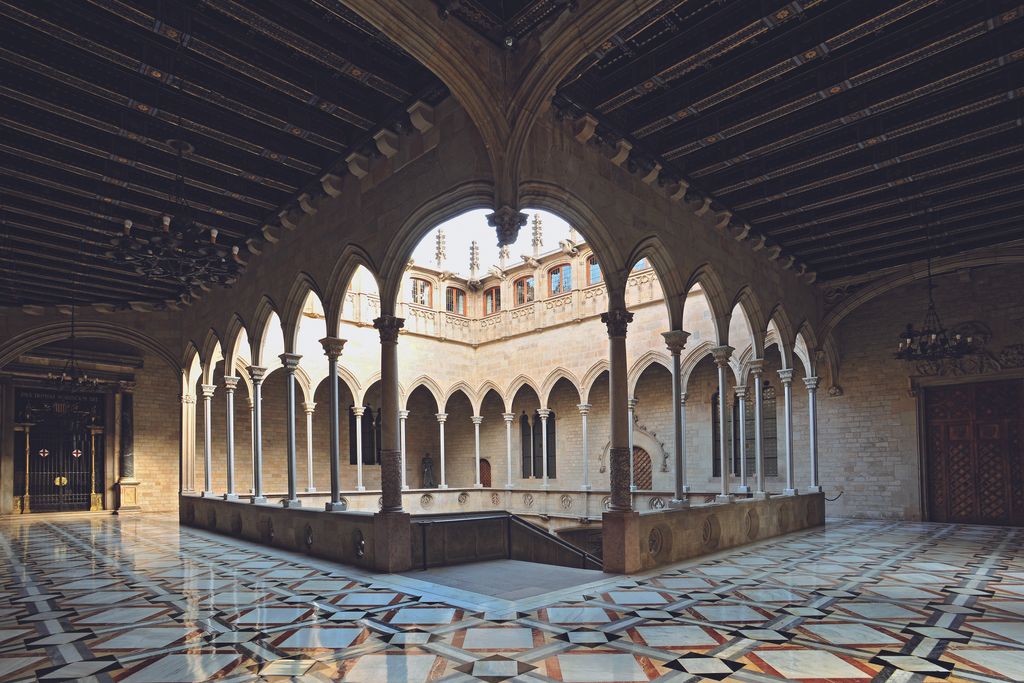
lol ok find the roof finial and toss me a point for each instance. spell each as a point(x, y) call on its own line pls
point(538, 239)
point(574, 236)
point(474, 261)
point(440, 253)
point(503, 255)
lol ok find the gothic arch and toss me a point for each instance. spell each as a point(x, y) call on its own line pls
point(642, 363)
point(430, 385)
point(518, 383)
point(19, 344)
point(463, 388)
point(672, 286)
point(805, 346)
point(783, 334)
point(210, 355)
point(487, 386)
point(714, 294)
point(754, 315)
point(351, 258)
point(265, 312)
point(549, 383)
point(691, 359)
point(233, 340)
point(591, 376)
point(303, 286)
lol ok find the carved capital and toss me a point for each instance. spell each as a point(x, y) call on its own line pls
point(403, 414)
point(682, 398)
point(544, 413)
point(722, 354)
point(786, 375)
point(675, 340)
point(290, 361)
point(617, 320)
point(756, 367)
point(508, 416)
point(207, 390)
point(507, 222)
point(389, 327)
point(358, 410)
point(811, 383)
point(835, 391)
point(230, 382)
point(441, 417)
point(740, 391)
point(584, 408)
point(631, 403)
point(477, 419)
point(256, 373)
point(332, 347)
point(309, 407)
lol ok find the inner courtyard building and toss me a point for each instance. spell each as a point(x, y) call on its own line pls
point(533, 340)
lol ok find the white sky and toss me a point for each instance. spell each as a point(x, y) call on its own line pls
point(472, 225)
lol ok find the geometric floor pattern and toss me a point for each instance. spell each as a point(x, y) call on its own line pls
point(142, 600)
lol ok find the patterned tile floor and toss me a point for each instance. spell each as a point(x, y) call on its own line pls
point(142, 600)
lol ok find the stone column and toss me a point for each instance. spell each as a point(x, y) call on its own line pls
point(332, 349)
point(441, 417)
point(584, 409)
point(391, 469)
point(741, 395)
point(309, 408)
point(812, 430)
point(257, 374)
point(128, 485)
point(757, 369)
point(188, 443)
point(675, 340)
point(403, 415)
point(682, 428)
point(544, 413)
point(786, 376)
point(230, 384)
point(252, 438)
point(207, 390)
point(619, 455)
point(721, 355)
point(509, 417)
point(631, 404)
point(358, 412)
point(477, 419)
point(290, 362)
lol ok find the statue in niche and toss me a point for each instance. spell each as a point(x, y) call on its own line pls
point(428, 472)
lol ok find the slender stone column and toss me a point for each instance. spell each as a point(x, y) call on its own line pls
point(675, 340)
point(257, 374)
point(544, 413)
point(631, 404)
point(477, 419)
point(309, 408)
point(290, 362)
point(188, 443)
point(787, 428)
point(509, 417)
point(391, 469)
point(682, 410)
point(757, 369)
point(230, 384)
point(812, 430)
point(128, 485)
point(721, 355)
point(619, 455)
point(332, 349)
point(741, 396)
point(207, 391)
point(584, 409)
point(403, 415)
point(358, 412)
point(441, 417)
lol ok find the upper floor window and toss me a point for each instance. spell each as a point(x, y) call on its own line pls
point(593, 271)
point(455, 301)
point(421, 293)
point(492, 300)
point(560, 279)
point(524, 290)
point(641, 264)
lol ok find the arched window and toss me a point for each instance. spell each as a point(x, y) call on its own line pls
point(769, 434)
point(538, 445)
point(370, 428)
point(421, 293)
point(524, 290)
point(593, 271)
point(492, 300)
point(526, 442)
point(643, 476)
point(455, 301)
point(560, 279)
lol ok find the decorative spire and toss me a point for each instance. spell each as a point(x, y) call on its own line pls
point(574, 236)
point(503, 255)
point(440, 252)
point(474, 260)
point(538, 239)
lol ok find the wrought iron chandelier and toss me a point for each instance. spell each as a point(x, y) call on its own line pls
point(183, 251)
point(932, 342)
point(72, 379)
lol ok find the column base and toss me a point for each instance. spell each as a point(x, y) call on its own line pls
point(127, 496)
point(360, 488)
point(762, 495)
point(813, 489)
point(208, 494)
point(633, 488)
point(620, 533)
point(291, 503)
point(727, 498)
point(259, 500)
point(405, 487)
point(585, 487)
point(478, 486)
point(230, 496)
point(686, 488)
point(790, 492)
point(742, 489)
point(679, 503)
point(509, 487)
point(336, 507)
point(310, 489)
point(392, 546)
point(442, 486)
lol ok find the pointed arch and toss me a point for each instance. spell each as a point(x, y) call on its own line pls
point(691, 359)
point(714, 293)
point(754, 317)
point(549, 383)
point(305, 384)
point(266, 311)
point(518, 383)
point(21, 343)
point(233, 338)
point(463, 388)
point(673, 287)
point(783, 336)
point(806, 347)
point(430, 385)
point(293, 305)
point(590, 376)
point(489, 386)
point(648, 359)
point(211, 353)
point(192, 368)
point(352, 257)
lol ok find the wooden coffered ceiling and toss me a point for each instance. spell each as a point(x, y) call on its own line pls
point(854, 135)
point(270, 95)
point(504, 22)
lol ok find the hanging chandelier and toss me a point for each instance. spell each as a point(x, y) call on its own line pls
point(72, 379)
point(182, 250)
point(932, 342)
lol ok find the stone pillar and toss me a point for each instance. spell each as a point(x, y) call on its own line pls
point(619, 455)
point(441, 417)
point(389, 327)
point(812, 430)
point(207, 390)
point(721, 355)
point(757, 369)
point(127, 484)
point(290, 362)
point(741, 395)
point(584, 409)
point(332, 349)
point(675, 340)
point(403, 415)
point(786, 376)
point(309, 408)
point(252, 438)
point(257, 374)
point(230, 384)
point(358, 412)
point(188, 469)
point(632, 465)
point(544, 414)
point(477, 419)
point(509, 417)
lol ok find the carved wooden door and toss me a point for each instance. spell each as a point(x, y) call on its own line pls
point(485, 473)
point(974, 463)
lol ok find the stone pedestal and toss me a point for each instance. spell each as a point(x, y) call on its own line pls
point(621, 541)
point(128, 496)
point(392, 538)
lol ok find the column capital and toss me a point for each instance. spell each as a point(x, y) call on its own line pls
point(786, 375)
point(507, 221)
point(290, 361)
point(358, 410)
point(208, 390)
point(230, 382)
point(508, 416)
point(544, 413)
point(617, 320)
point(722, 354)
point(740, 391)
point(389, 327)
point(403, 414)
point(332, 347)
point(632, 403)
point(256, 373)
point(441, 417)
point(675, 340)
point(477, 419)
point(309, 407)
point(756, 367)
point(584, 408)
point(682, 398)
point(811, 383)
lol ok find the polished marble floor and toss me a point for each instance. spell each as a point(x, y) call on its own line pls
point(143, 600)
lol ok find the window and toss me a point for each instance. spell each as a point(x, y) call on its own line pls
point(492, 300)
point(532, 443)
point(643, 476)
point(560, 279)
point(769, 434)
point(420, 293)
point(370, 429)
point(641, 264)
point(526, 441)
point(455, 301)
point(593, 271)
point(524, 290)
